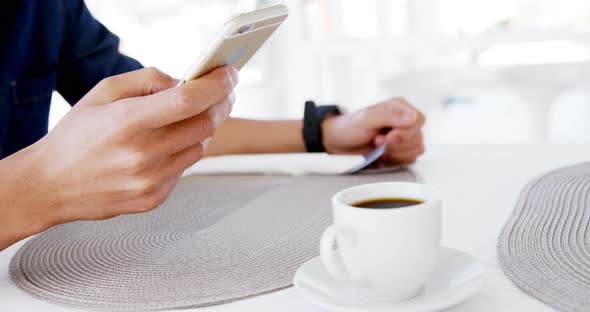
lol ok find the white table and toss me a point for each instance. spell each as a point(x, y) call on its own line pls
point(480, 184)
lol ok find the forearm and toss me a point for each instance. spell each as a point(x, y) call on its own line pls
point(246, 136)
point(21, 199)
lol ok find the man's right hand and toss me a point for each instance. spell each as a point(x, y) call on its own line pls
point(123, 147)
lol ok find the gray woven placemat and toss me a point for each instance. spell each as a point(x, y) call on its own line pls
point(545, 246)
point(216, 239)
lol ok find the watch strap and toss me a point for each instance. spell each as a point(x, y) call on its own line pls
point(313, 117)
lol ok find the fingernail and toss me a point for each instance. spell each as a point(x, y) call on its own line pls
point(233, 74)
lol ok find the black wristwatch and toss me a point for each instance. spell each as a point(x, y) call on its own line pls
point(312, 125)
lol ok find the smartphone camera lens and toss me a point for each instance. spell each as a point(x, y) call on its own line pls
point(244, 29)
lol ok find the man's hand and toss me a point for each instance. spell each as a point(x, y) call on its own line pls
point(394, 122)
point(121, 149)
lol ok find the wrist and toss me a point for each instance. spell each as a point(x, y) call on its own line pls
point(314, 118)
point(328, 132)
point(24, 208)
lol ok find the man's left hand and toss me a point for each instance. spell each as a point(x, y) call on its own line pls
point(394, 122)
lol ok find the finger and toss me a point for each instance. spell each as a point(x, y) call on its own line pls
point(394, 143)
point(407, 156)
point(188, 132)
point(147, 202)
point(405, 146)
point(399, 134)
point(402, 136)
point(394, 113)
point(182, 102)
point(398, 150)
point(136, 83)
point(181, 160)
point(408, 133)
point(412, 143)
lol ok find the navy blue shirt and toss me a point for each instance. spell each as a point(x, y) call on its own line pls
point(49, 45)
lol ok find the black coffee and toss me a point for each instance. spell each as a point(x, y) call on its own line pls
point(384, 203)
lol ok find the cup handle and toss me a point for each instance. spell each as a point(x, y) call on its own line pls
point(328, 256)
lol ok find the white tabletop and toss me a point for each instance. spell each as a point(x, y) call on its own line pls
point(480, 184)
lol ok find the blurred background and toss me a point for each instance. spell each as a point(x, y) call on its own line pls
point(483, 71)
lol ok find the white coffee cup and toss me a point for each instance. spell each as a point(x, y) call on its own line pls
point(389, 253)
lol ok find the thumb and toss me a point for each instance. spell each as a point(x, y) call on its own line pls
point(394, 113)
point(133, 84)
point(391, 137)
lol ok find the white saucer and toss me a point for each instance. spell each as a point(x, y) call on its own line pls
point(456, 277)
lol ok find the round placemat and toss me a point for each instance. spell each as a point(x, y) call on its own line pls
point(216, 239)
point(545, 246)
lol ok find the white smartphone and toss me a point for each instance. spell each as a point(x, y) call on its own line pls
point(238, 40)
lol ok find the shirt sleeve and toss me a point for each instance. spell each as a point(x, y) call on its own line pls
point(89, 53)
